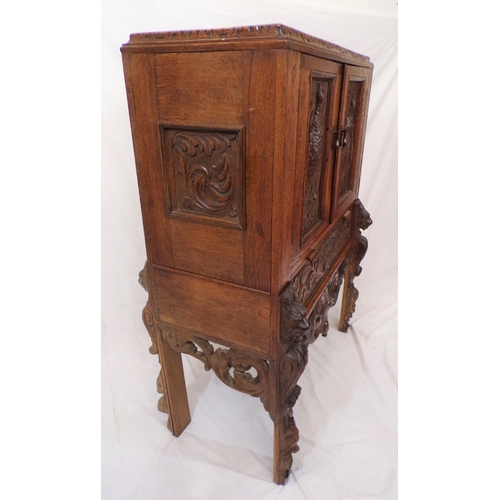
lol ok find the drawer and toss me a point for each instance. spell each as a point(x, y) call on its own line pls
point(320, 261)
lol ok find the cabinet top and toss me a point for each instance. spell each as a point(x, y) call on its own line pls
point(269, 36)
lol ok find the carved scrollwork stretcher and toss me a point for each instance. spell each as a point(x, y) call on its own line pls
point(230, 365)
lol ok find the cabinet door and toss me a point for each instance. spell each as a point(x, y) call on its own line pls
point(319, 98)
point(351, 135)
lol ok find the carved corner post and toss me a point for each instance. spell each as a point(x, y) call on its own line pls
point(170, 382)
point(361, 220)
point(297, 331)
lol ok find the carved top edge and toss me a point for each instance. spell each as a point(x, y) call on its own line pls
point(263, 32)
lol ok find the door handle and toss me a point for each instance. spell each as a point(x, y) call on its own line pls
point(344, 133)
point(336, 140)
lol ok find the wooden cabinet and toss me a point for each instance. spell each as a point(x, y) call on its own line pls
point(248, 145)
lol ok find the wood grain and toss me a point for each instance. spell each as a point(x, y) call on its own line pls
point(208, 250)
point(259, 118)
point(214, 95)
point(221, 310)
point(248, 146)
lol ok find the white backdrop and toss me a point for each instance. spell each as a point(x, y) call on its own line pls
point(347, 412)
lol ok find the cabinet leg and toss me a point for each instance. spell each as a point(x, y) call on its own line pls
point(295, 332)
point(349, 297)
point(174, 385)
point(170, 383)
point(286, 437)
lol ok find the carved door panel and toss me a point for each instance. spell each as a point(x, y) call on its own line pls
point(319, 98)
point(351, 135)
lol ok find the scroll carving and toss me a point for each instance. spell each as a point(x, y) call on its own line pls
point(297, 331)
point(230, 365)
point(361, 220)
point(147, 312)
point(206, 174)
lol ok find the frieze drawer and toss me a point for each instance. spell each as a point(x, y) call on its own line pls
point(321, 259)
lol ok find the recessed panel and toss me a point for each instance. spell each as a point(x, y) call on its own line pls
point(204, 171)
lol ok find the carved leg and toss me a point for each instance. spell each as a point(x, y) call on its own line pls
point(292, 359)
point(362, 220)
point(297, 331)
point(170, 382)
point(286, 438)
point(349, 298)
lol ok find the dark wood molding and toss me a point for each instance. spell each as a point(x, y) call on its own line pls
point(257, 32)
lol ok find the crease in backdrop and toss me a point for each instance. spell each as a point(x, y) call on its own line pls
point(347, 411)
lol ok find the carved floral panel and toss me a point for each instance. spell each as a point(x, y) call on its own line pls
point(315, 154)
point(346, 167)
point(205, 174)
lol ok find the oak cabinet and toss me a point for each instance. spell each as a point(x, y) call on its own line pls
point(248, 145)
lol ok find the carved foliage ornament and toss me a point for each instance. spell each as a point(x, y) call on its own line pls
point(231, 366)
point(312, 272)
point(207, 174)
point(312, 195)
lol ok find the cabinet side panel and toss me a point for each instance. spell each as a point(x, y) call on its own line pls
point(141, 91)
point(202, 140)
point(201, 88)
point(208, 250)
point(221, 311)
point(259, 105)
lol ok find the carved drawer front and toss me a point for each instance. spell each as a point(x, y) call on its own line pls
point(229, 314)
point(321, 260)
